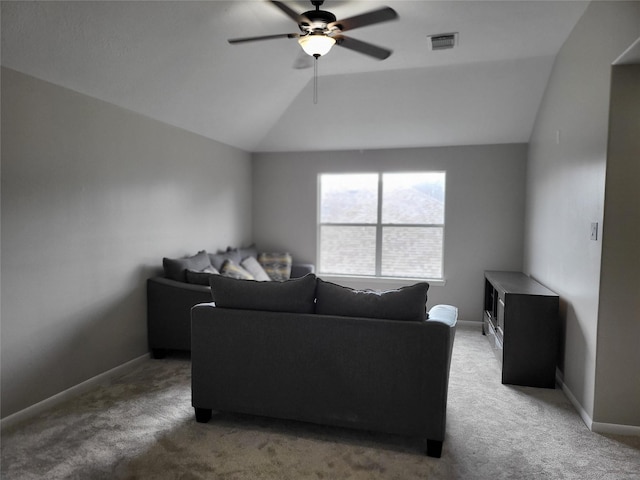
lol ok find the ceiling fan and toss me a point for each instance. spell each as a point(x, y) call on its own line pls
point(320, 30)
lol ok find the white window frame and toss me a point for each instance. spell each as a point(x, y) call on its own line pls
point(379, 226)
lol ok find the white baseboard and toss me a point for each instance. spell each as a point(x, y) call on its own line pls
point(74, 391)
point(574, 401)
point(616, 429)
point(597, 427)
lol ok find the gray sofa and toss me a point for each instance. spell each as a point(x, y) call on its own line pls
point(378, 366)
point(171, 296)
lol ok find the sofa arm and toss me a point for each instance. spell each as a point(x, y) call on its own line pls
point(169, 305)
point(170, 284)
point(299, 270)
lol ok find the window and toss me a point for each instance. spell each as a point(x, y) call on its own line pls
point(381, 224)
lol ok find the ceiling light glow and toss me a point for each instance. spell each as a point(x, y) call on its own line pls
point(316, 45)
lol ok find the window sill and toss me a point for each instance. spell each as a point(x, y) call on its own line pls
point(363, 282)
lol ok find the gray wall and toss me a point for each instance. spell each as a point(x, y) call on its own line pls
point(566, 187)
point(617, 396)
point(484, 208)
point(93, 196)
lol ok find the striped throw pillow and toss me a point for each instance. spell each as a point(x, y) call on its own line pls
point(277, 265)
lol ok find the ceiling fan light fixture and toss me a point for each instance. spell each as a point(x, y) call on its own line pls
point(316, 45)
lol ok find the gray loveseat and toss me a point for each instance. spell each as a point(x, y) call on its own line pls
point(313, 351)
point(184, 284)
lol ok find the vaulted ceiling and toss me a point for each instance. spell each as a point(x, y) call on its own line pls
point(171, 61)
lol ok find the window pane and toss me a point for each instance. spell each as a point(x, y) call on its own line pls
point(413, 198)
point(412, 252)
point(350, 198)
point(348, 250)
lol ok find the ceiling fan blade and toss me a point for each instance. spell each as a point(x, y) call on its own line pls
point(263, 37)
point(376, 16)
point(296, 17)
point(362, 47)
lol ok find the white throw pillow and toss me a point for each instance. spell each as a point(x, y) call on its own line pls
point(251, 265)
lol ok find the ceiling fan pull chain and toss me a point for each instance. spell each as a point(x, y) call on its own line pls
point(315, 80)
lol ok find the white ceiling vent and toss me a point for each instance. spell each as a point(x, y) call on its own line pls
point(443, 41)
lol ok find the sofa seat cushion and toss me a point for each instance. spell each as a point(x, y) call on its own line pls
point(292, 296)
point(405, 303)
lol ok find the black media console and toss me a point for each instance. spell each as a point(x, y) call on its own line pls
point(521, 324)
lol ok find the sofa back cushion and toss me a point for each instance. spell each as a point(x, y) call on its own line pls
point(200, 277)
point(175, 268)
point(292, 296)
point(405, 303)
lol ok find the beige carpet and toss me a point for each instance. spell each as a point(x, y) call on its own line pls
point(141, 426)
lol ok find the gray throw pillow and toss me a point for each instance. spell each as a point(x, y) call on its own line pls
point(236, 255)
point(218, 259)
point(405, 303)
point(243, 252)
point(175, 268)
point(293, 296)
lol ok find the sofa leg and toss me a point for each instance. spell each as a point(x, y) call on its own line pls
point(434, 448)
point(203, 415)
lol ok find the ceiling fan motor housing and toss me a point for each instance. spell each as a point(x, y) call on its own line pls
point(319, 21)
